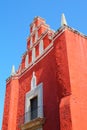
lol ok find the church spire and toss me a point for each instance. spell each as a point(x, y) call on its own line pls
point(13, 70)
point(63, 20)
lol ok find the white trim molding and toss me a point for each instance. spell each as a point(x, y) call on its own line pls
point(26, 61)
point(38, 91)
point(33, 81)
point(33, 54)
point(41, 46)
point(33, 28)
point(36, 36)
point(31, 42)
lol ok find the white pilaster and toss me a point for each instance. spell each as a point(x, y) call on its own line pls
point(31, 42)
point(36, 36)
point(33, 54)
point(26, 61)
point(41, 47)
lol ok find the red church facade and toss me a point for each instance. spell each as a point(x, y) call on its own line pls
point(49, 90)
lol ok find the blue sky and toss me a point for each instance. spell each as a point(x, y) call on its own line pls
point(15, 18)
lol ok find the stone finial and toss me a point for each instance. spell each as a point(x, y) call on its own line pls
point(13, 70)
point(63, 20)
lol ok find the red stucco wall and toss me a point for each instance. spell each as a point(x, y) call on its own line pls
point(77, 61)
point(45, 72)
point(11, 103)
point(63, 82)
point(63, 71)
point(6, 108)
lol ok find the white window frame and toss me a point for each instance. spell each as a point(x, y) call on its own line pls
point(38, 91)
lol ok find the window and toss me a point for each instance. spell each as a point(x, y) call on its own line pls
point(34, 101)
point(41, 47)
point(34, 107)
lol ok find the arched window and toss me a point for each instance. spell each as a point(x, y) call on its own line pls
point(33, 81)
point(26, 61)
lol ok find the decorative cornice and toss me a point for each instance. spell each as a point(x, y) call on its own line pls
point(38, 59)
point(76, 31)
point(37, 28)
point(12, 78)
point(71, 29)
point(34, 124)
point(41, 37)
point(35, 18)
point(46, 51)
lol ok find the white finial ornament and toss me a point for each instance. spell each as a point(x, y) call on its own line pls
point(13, 70)
point(63, 20)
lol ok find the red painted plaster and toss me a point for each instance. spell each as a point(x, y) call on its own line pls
point(11, 104)
point(77, 61)
point(63, 72)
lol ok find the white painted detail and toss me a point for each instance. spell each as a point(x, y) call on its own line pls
point(33, 55)
point(41, 47)
point(63, 20)
point(13, 70)
point(36, 36)
point(31, 42)
point(26, 61)
point(33, 81)
point(33, 28)
point(50, 37)
point(40, 57)
point(38, 91)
